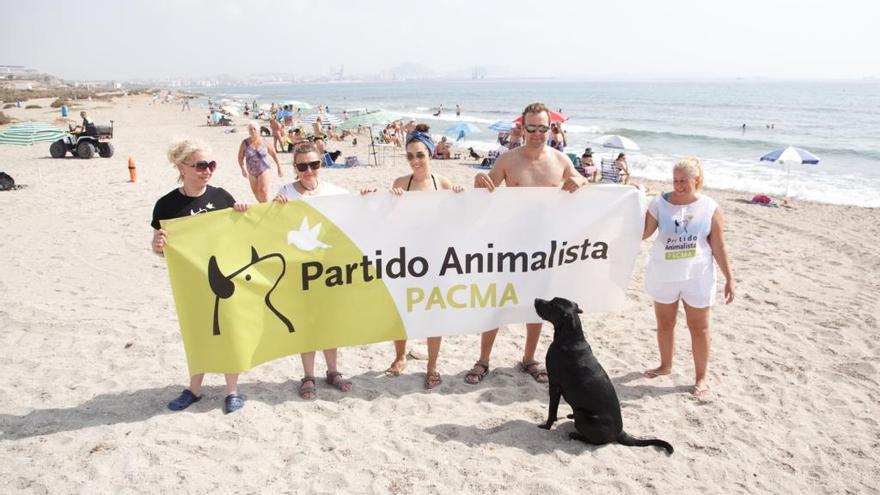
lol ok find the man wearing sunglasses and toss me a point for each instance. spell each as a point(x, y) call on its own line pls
point(534, 164)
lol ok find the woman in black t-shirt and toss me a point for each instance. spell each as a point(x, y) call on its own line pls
point(194, 196)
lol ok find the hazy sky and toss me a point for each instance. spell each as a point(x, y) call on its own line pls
point(630, 39)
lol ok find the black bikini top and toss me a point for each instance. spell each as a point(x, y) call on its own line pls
point(409, 184)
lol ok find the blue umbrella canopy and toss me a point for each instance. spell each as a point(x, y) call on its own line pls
point(501, 126)
point(461, 130)
point(28, 133)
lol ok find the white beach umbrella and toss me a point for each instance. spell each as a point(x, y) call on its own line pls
point(617, 142)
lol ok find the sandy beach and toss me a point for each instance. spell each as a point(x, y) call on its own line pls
point(92, 354)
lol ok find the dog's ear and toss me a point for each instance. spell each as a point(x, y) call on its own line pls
point(222, 286)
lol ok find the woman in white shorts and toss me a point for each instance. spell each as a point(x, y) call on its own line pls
point(681, 266)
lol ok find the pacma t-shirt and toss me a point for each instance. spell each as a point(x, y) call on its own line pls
point(176, 205)
point(681, 250)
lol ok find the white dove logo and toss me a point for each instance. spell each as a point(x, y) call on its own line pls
point(306, 239)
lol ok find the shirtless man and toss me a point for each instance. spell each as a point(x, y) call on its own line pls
point(277, 133)
point(534, 164)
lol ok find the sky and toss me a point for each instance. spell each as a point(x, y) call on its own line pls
point(635, 39)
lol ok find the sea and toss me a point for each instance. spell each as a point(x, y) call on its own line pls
point(837, 121)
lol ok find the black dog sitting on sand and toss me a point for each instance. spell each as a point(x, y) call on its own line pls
point(473, 154)
point(576, 375)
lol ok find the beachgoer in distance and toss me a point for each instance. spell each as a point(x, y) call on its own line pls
point(196, 167)
point(516, 136)
point(587, 161)
point(88, 126)
point(557, 137)
point(532, 165)
point(307, 164)
point(457, 110)
point(622, 169)
point(419, 149)
point(277, 132)
point(681, 266)
point(442, 151)
point(253, 159)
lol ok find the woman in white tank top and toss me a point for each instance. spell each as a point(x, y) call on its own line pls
point(681, 266)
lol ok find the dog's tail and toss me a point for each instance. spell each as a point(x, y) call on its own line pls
point(630, 441)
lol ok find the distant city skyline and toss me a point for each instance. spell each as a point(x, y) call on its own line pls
point(640, 39)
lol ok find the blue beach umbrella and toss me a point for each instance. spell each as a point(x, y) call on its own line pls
point(501, 126)
point(461, 130)
point(790, 155)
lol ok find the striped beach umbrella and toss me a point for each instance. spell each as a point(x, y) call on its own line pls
point(326, 119)
point(789, 155)
point(27, 133)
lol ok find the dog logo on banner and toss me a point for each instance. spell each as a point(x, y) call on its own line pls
point(224, 286)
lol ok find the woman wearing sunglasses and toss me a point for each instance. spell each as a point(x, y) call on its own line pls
point(253, 159)
point(194, 196)
point(419, 149)
point(307, 164)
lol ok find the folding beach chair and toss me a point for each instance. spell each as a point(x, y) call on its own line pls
point(609, 172)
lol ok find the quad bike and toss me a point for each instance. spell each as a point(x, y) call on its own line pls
point(83, 143)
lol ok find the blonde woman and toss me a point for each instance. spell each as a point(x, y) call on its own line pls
point(681, 266)
point(194, 196)
point(253, 159)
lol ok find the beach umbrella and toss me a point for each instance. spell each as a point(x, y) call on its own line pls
point(296, 104)
point(326, 119)
point(501, 126)
point(376, 117)
point(461, 130)
point(554, 117)
point(789, 155)
point(230, 110)
point(616, 142)
point(369, 119)
point(28, 133)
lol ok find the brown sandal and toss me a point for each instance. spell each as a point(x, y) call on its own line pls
point(534, 369)
point(335, 378)
point(305, 390)
point(476, 374)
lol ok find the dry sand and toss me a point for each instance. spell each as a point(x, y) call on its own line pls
point(92, 353)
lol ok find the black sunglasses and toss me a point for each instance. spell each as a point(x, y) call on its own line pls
point(203, 165)
point(536, 128)
point(419, 154)
point(303, 166)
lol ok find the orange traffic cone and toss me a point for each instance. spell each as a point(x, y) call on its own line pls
point(132, 171)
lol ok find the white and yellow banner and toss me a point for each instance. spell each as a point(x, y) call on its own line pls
point(339, 271)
